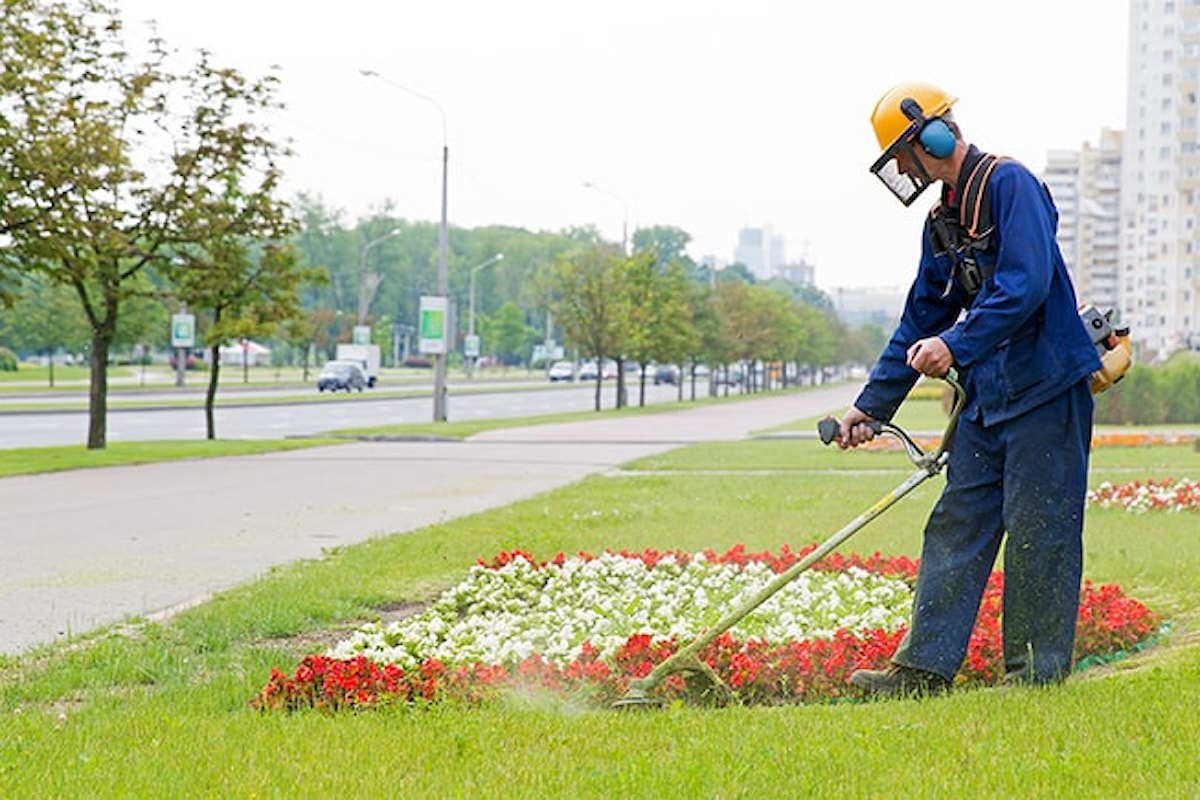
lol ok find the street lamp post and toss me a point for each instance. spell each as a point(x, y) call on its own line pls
point(471, 309)
point(443, 273)
point(365, 287)
point(624, 211)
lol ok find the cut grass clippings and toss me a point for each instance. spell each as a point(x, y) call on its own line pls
point(162, 709)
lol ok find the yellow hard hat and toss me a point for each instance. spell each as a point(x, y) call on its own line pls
point(908, 115)
point(890, 121)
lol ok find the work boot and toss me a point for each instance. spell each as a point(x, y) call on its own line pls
point(899, 681)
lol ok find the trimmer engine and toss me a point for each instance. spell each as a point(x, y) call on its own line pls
point(1112, 344)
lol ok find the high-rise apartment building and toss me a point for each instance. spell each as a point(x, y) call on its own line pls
point(761, 250)
point(1159, 279)
point(1086, 185)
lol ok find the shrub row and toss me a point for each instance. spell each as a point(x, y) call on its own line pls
point(1153, 396)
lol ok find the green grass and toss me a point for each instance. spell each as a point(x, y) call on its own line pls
point(466, 429)
point(34, 460)
point(162, 711)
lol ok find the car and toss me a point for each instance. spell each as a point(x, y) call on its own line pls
point(561, 371)
point(588, 370)
point(666, 373)
point(344, 375)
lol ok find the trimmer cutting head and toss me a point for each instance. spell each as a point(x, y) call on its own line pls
point(703, 685)
point(636, 700)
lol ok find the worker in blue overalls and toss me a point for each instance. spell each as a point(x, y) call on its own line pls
point(992, 299)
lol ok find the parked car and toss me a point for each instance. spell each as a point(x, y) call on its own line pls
point(588, 370)
point(666, 373)
point(730, 374)
point(344, 375)
point(561, 371)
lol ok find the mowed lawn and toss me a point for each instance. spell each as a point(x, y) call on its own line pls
point(161, 709)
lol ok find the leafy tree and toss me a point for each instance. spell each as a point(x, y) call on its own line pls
point(508, 335)
point(238, 266)
point(736, 273)
point(143, 323)
point(44, 318)
point(666, 243)
point(659, 326)
point(590, 304)
point(707, 344)
point(103, 155)
point(245, 291)
point(299, 333)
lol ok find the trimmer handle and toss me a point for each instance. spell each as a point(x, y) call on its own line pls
point(830, 429)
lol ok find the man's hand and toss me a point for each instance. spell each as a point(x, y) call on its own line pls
point(855, 429)
point(930, 357)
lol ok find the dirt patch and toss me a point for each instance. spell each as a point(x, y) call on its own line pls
point(319, 641)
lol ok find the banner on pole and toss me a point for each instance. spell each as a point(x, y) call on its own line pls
point(432, 326)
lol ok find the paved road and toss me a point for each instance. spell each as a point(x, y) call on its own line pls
point(87, 548)
point(324, 413)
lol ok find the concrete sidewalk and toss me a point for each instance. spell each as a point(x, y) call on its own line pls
point(91, 547)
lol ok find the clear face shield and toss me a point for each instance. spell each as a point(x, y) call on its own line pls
point(900, 169)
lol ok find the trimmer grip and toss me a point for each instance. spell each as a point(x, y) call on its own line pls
point(830, 429)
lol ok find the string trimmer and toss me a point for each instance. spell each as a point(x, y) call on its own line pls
point(685, 660)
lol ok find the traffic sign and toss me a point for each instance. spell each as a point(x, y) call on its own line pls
point(183, 330)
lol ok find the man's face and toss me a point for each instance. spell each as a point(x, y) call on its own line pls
point(903, 170)
point(911, 161)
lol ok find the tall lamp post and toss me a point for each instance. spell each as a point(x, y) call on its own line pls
point(471, 313)
point(443, 273)
point(365, 287)
point(624, 211)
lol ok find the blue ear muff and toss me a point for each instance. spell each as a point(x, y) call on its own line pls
point(937, 138)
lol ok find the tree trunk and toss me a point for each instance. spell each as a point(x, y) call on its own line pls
point(210, 395)
point(97, 438)
point(620, 387)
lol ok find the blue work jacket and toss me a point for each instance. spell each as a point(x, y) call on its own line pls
point(1020, 342)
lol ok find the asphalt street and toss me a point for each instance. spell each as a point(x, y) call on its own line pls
point(92, 547)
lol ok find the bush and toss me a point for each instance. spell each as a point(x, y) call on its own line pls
point(8, 360)
point(1153, 396)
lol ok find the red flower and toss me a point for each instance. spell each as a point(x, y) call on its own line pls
point(816, 670)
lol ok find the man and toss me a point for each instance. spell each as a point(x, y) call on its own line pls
point(994, 302)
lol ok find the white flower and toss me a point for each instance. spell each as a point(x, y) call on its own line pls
point(502, 616)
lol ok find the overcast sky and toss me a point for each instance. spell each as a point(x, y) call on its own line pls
point(709, 116)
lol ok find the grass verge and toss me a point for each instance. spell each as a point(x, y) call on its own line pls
point(124, 713)
point(35, 460)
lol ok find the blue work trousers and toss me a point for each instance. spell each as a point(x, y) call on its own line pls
point(1027, 477)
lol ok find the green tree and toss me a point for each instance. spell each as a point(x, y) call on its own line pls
point(659, 325)
point(666, 243)
point(103, 154)
point(507, 334)
point(44, 318)
point(589, 302)
point(238, 265)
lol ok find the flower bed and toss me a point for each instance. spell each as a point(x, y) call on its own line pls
point(590, 624)
point(1150, 495)
point(1099, 439)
